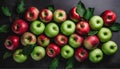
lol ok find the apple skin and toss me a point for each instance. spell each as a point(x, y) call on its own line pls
point(81, 54)
point(19, 26)
point(31, 14)
point(28, 39)
point(59, 16)
point(82, 28)
point(38, 53)
point(96, 55)
point(53, 50)
point(37, 27)
point(61, 39)
point(67, 51)
point(109, 17)
point(104, 34)
point(75, 40)
point(67, 27)
point(109, 48)
point(96, 23)
point(19, 57)
point(91, 42)
point(12, 42)
point(43, 40)
point(45, 15)
point(74, 15)
point(51, 30)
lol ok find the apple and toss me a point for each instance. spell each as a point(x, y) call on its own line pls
point(91, 42)
point(61, 39)
point(19, 57)
point(82, 28)
point(109, 17)
point(104, 34)
point(51, 30)
point(37, 27)
point(46, 15)
point(74, 15)
point(19, 26)
point(109, 48)
point(96, 23)
point(53, 50)
point(81, 54)
point(31, 14)
point(75, 40)
point(67, 51)
point(12, 42)
point(43, 40)
point(59, 16)
point(38, 53)
point(95, 55)
point(28, 39)
point(67, 27)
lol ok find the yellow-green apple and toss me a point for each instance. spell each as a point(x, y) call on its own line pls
point(28, 39)
point(59, 16)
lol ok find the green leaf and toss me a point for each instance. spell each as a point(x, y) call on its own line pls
point(20, 7)
point(7, 54)
point(51, 7)
point(54, 64)
point(70, 63)
point(89, 13)
point(28, 49)
point(4, 29)
point(115, 27)
point(6, 11)
point(92, 32)
point(81, 9)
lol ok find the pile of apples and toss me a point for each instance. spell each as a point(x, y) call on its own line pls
point(56, 33)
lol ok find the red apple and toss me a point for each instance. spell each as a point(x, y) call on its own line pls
point(12, 42)
point(81, 54)
point(91, 42)
point(19, 26)
point(46, 15)
point(74, 15)
point(109, 17)
point(61, 39)
point(32, 14)
point(83, 28)
point(53, 50)
point(43, 40)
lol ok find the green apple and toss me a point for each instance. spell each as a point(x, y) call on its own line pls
point(96, 23)
point(37, 27)
point(68, 27)
point(75, 40)
point(67, 51)
point(19, 57)
point(38, 53)
point(109, 48)
point(104, 34)
point(95, 55)
point(51, 30)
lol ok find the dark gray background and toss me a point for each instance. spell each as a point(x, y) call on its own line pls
point(99, 5)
